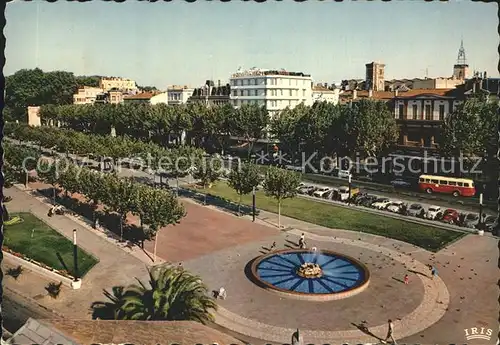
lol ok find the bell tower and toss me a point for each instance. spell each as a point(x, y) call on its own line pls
point(461, 68)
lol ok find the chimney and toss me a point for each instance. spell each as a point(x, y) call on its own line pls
point(396, 93)
point(370, 93)
point(484, 75)
point(218, 83)
point(326, 85)
point(354, 94)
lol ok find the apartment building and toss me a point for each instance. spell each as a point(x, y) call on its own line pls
point(86, 95)
point(147, 98)
point(179, 94)
point(274, 89)
point(122, 84)
point(210, 94)
point(321, 93)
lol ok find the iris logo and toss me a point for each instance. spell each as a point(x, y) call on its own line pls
point(478, 333)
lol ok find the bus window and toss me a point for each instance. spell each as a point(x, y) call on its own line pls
point(466, 185)
point(452, 183)
point(443, 182)
point(421, 180)
point(435, 181)
point(460, 184)
point(428, 180)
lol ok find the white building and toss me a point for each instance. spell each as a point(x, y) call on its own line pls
point(321, 93)
point(179, 94)
point(86, 95)
point(122, 84)
point(276, 90)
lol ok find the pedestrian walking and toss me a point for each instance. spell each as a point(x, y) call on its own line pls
point(390, 331)
point(273, 246)
point(434, 272)
point(302, 241)
point(406, 279)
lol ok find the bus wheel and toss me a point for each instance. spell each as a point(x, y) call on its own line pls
point(456, 193)
point(429, 191)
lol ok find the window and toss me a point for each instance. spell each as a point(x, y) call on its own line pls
point(401, 111)
point(460, 184)
point(435, 181)
point(281, 92)
point(428, 113)
point(427, 180)
point(421, 180)
point(445, 183)
point(241, 92)
point(290, 91)
point(414, 112)
point(441, 112)
point(452, 183)
point(466, 185)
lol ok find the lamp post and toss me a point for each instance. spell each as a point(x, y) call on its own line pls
point(349, 197)
point(75, 256)
point(253, 204)
point(480, 223)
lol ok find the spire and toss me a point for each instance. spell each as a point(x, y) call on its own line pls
point(461, 60)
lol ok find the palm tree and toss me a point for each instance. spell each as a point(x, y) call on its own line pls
point(109, 310)
point(173, 294)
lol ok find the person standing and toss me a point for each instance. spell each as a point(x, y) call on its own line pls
point(390, 331)
point(406, 279)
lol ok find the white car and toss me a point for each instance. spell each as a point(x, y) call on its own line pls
point(432, 212)
point(293, 167)
point(395, 206)
point(381, 204)
point(344, 174)
point(321, 191)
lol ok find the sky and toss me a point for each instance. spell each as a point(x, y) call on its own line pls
point(162, 43)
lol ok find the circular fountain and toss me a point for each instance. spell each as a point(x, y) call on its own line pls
point(310, 275)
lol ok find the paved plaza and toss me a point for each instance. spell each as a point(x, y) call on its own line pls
point(218, 246)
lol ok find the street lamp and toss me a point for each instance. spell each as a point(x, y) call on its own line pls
point(75, 256)
point(349, 197)
point(253, 204)
point(480, 223)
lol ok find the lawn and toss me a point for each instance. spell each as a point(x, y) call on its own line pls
point(40, 242)
point(335, 217)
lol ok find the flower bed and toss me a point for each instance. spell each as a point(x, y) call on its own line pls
point(63, 273)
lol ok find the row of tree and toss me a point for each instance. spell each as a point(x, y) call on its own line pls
point(156, 208)
point(366, 126)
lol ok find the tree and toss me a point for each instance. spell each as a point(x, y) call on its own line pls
point(244, 180)
point(162, 209)
point(250, 122)
point(208, 170)
point(122, 195)
point(369, 128)
point(281, 184)
point(93, 188)
point(173, 294)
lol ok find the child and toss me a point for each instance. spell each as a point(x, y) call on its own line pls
point(434, 272)
point(406, 279)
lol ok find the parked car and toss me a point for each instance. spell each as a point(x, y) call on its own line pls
point(344, 192)
point(312, 190)
point(293, 167)
point(400, 183)
point(381, 203)
point(433, 213)
point(333, 194)
point(395, 206)
point(488, 223)
point(451, 216)
point(416, 210)
point(305, 189)
point(320, 192)
point(471, 220)
point(344, 173)
point(368, 200)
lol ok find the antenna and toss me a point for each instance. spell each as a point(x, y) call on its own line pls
point(461, 60)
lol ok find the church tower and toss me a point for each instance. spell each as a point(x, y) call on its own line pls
point(461, 68)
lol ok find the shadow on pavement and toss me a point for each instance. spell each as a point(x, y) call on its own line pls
point(363, 328)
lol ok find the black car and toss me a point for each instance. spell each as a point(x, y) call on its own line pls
point(400, 183)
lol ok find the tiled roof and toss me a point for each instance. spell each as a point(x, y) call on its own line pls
point(143, 95)
point(35, 332)
point(321, 88)
point(388, 95)
point(138, 332)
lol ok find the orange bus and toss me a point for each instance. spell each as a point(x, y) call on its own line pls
point(451, 185)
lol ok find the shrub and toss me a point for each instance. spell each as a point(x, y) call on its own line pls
point(15, 272)
point(54, 289)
